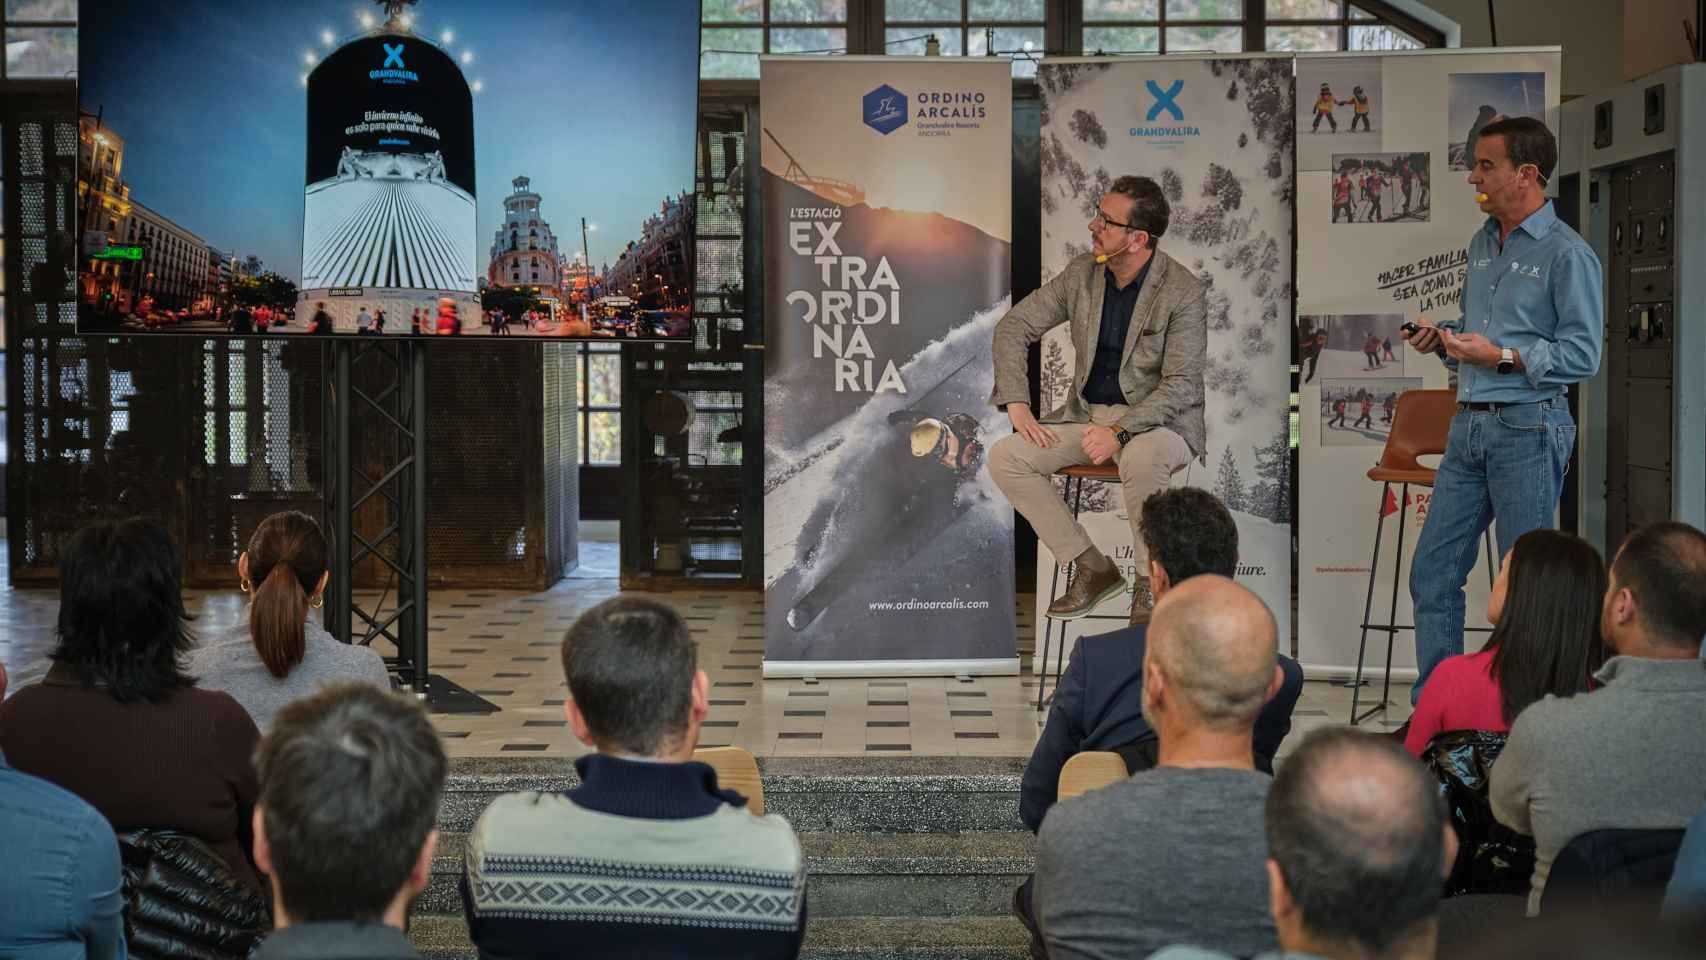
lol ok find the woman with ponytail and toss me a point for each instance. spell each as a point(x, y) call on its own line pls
point(281, 653)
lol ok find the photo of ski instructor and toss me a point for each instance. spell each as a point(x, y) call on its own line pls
point(1140, 335)
point(1533, 313)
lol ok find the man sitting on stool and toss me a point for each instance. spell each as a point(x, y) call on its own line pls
point(1139, 328)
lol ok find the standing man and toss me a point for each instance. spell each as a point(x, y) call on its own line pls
point(1533, 312)
point(1140, 335)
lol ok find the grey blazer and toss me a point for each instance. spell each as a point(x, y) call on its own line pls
point(1166, 346)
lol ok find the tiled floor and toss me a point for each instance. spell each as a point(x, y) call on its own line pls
point(503, 646)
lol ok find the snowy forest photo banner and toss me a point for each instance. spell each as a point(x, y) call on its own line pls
point(887, 190)
point(1217, 135)
point(1384, 217)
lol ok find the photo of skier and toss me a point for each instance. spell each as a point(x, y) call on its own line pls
point(1348, 410)
point(1339, 108)
point(1343, 346)
point(1478, 99)
point(1380, 187)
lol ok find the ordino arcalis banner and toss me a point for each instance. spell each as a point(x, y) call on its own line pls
point(887, 230)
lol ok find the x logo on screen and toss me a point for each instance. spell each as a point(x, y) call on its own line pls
point(1164, 100)
point(395, 55)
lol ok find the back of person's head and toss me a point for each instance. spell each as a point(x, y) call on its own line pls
point(1212, 649)
point(350, 780)
point(1188, 531)
point(1659, 572)
point(1357, 833)
point(122, 623)
point(286, 565)
point(630, 664)
point(1547, 636)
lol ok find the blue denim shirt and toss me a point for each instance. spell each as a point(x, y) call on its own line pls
point(60, 883)
point(1542, 295)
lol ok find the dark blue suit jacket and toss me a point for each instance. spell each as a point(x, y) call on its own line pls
point(1099, 706)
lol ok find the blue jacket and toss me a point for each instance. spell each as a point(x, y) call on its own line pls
point(60, 883)
point(1098, 705)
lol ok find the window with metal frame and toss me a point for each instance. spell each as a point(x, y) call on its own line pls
point(41, 40)
point(600, 403)
point(1308, 25)
point(972, 28)
point(733, 33)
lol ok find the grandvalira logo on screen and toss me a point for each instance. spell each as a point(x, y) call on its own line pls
point(392, 70)
point(1164, 101)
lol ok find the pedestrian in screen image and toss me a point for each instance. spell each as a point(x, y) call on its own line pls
point(1375, 184)
point(242, 322)
point(415, 322)
point(1386, 350)
point(449, 323)
point(321, 322)
point(1342, 198)
point(1338, 413)
point(379, 322)
point(1387, 406)
point(363, 322)
point(1406, 182)
point(1359, 100)
point(1367, 413)
point(1324, 109)
point(1371, 351)
point(1312, 345)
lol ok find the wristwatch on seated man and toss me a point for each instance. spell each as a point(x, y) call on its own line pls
point(1123, 436)
point(1507, 360)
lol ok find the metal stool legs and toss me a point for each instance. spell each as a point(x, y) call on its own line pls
point(1391, 627)
point(1074, 490)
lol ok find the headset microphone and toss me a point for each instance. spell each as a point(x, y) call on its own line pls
point(1105, 257)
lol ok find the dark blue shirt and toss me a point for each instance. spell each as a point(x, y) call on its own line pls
point(1117, 306)
point(59, 887)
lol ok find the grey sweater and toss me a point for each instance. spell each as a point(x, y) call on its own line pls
point(228, 662)
point(1170, 856)
point(1628, 756)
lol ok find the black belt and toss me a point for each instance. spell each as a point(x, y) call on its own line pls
point(1479, 407)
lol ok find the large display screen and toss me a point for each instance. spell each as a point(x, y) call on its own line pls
point(431, 168)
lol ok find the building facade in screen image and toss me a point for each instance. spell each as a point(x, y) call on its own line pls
point(389, 214)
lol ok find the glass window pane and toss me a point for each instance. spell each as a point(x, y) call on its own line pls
point(722, 65)
point(809, 39)
point(731, 11)
point(41, 10)
point(604, 438)
point(949, 37)
point(1382, 37)
point(1204, 10)
point(1121, 10)
point(1009, 40)
point(808, 11)
point(1121, 40)
point(1005, 10)
point(1358, 13)
point(604, 383)
point(1196, 39)
point(36, 52)
point(901, 11)
point(1301, 39)
point(1304, 9)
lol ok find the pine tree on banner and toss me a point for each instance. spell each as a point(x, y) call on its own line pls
point(1270, 496)
point(1230, 487)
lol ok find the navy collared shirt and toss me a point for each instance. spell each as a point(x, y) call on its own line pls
point(1103, 386)
point(1543, 295)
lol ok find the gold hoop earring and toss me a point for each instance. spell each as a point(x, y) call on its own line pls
point(244, 585)
point(318, 601)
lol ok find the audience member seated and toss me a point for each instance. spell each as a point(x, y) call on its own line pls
point(1098, 704)
point(1686, 894)
point(345, 827)
point(1545, 614)
point(281, 653)
point(60, 885)
point(1630, 755)
point(1174, 854)
point(117, 720)
point(1357, 844)
point(646, 857)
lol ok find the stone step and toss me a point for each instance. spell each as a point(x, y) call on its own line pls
point(857, 874)
point(815, 794)
point(828, 938)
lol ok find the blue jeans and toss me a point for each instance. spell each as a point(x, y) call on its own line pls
point(1506, 465)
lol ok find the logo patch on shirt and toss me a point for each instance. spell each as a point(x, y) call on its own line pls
point(1522, 271)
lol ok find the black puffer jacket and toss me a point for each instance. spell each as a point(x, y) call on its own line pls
point(182, 901)
point(1491, 857)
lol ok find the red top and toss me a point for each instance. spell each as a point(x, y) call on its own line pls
point(1461, 694)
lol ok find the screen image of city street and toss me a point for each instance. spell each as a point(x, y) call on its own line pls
point(518, 168)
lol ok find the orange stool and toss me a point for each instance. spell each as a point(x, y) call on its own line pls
point(1420, 426)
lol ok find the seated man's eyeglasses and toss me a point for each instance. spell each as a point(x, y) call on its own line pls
point(1104, 220)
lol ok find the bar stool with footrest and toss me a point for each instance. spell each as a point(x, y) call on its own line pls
point(1420, 425)
point(1075, 476)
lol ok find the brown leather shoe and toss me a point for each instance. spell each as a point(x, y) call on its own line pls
point(1087, 589)
point(1142, 601)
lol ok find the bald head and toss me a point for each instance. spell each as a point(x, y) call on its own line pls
point(1357, 830)
point(1215, 644)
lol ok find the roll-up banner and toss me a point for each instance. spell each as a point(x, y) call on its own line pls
point(887, 198)
point(1216, 134)
point(1384, 216)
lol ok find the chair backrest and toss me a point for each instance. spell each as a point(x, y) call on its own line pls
point(737, 771)
point(1090, 770)
point(1491, 858)
point(1420, 425)
point(1628, 866)
point(181, 899)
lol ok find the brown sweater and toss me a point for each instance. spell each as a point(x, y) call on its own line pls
point(180, 764)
